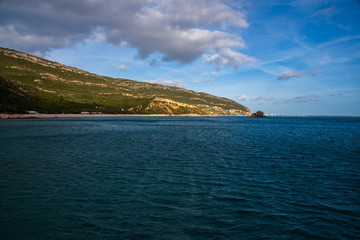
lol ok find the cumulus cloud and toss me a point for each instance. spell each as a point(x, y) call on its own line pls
point(288, 75)
point(180, 30)
point(122, 67)
point(226, 56)
point(169, 82)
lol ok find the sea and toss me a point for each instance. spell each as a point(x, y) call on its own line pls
point(180, 178)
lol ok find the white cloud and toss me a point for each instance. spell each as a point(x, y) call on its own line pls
point(288, 75)
point(228, 57)
point(254, 98)
point(263, 98)
point(215, 59)
point(241, 98)
point(180, 30)
point(169, 82)
point(122, 67)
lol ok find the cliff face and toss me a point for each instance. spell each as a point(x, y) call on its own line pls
point(32, 83)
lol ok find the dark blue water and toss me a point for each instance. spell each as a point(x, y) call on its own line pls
point(180, 178)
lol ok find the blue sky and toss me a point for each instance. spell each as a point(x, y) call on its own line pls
point(283, 57)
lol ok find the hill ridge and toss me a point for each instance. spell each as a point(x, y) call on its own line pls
point(33, 83)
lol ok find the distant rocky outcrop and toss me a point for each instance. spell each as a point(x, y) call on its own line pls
point(258, 114)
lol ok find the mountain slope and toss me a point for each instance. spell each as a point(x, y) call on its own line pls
point(32, 83)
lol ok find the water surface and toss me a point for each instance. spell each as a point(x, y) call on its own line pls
point(180, 178)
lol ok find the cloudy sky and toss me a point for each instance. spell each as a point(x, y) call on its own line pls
point(278, 56)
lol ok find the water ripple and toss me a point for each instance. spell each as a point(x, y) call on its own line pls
point(180, 178)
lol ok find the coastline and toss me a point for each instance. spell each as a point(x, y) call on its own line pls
point(76, 115)
point(40, 116)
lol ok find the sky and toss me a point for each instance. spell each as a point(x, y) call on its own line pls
point(285, 57)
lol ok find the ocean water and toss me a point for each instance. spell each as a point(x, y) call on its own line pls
point(180, 178)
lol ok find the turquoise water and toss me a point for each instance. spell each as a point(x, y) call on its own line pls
point(180, 178)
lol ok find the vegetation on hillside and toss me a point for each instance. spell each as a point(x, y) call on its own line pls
point(31, 83)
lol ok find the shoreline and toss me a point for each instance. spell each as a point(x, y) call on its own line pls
point(60, 115)
point(40, 116)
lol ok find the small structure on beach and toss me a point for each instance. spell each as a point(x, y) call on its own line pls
point(32, 112)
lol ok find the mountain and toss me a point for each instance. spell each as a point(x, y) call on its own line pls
point(30, 83)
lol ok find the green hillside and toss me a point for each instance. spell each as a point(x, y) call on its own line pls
point(32, 83)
